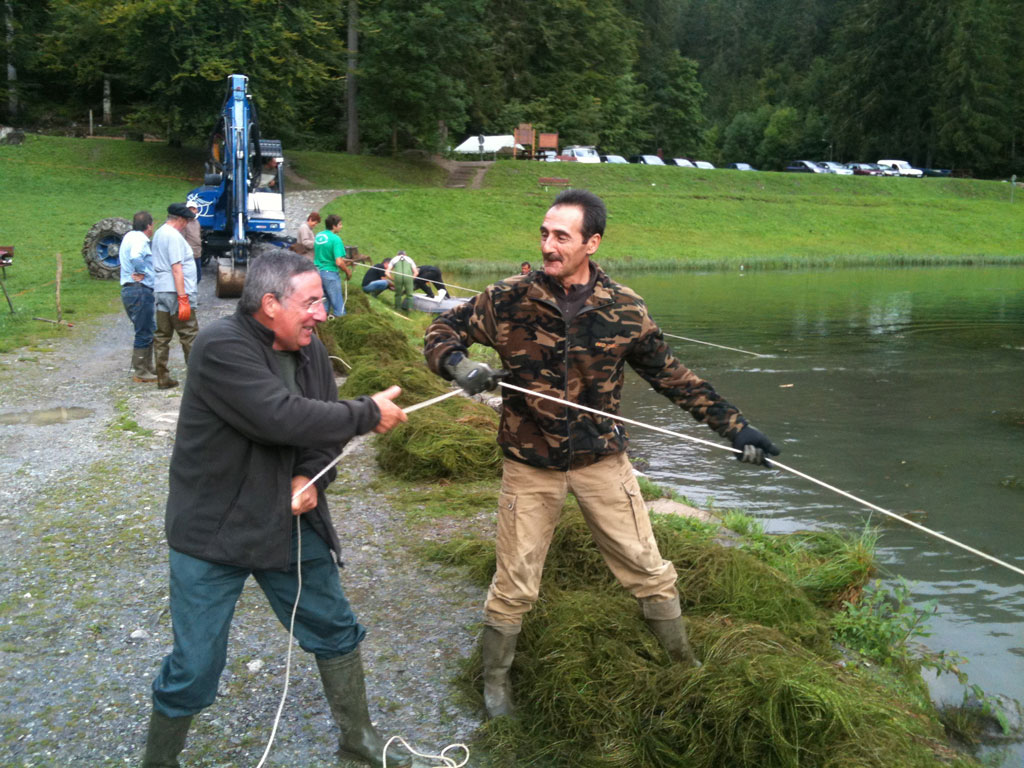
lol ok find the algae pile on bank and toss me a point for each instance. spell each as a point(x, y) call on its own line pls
point(454, 439)
point(593, 686)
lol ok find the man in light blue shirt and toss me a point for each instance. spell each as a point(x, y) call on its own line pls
point(137, 294)
point(174, 279)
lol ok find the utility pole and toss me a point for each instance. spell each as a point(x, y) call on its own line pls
point(352, 146)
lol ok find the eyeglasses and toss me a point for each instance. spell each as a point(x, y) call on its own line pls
point(311, 306)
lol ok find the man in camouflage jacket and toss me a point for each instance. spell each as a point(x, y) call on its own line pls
point(567, 332)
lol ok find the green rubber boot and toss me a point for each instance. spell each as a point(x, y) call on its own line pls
point(165, 740)
point(498, 649)
point(345, 687)
point(671, 633)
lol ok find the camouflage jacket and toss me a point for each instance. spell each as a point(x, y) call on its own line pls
point(580, 361)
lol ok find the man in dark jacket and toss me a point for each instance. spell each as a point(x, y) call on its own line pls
point(259, 418)
point(567, 331)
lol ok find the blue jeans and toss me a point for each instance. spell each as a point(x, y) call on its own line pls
point(139, 304)
point(203, 597)
point(332, 290)
point(375, 287)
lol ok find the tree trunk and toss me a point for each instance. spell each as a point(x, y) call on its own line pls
point(12, 73)
point(352, 110)
point(107, 116)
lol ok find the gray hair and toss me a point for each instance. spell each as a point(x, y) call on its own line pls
point(271, 272)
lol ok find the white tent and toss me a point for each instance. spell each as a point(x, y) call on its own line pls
point(471, 146)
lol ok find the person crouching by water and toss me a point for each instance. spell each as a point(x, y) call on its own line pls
point(260, 417)
point(567, 331)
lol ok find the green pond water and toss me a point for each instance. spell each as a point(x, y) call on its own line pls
point(904, 387)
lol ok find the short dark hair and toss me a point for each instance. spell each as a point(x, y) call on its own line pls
point(141, 221)
point(524, 264)
point(271, 272)
point(594, 213)
point(332, 220)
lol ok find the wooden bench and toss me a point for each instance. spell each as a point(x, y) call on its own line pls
point(551, 181)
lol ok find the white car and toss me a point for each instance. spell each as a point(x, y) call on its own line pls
point(682, 162)
point(837, 168)
point(903, 168)
point(647, 160)
point(582, 154)
point(704, 164)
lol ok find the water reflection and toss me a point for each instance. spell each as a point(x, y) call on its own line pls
point(46, 416)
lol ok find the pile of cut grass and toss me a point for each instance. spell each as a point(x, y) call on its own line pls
point(594, 687)
point(453, 439)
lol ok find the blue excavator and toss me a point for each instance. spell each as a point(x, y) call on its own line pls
point(241, 203)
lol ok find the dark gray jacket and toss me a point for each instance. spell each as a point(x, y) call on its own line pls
point(241, 438)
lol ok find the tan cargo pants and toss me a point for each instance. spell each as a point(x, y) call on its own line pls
point(530, 507)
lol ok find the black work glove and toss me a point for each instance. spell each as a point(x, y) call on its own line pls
point(754, 444)
point(473, 377)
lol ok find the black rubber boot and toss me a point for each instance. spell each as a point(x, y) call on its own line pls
point(345, 687)
point(671, 633)
point(150, 367)
point(140, 373)
point(498, 649)
point(165, 740)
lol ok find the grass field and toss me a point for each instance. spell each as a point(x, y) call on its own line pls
point(667, 217)
point(55, 189)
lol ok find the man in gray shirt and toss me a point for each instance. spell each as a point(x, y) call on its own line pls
point(175, 286)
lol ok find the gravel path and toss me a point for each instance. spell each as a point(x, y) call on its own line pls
point(83, 601)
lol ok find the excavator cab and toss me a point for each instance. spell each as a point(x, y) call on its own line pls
point(241, 203)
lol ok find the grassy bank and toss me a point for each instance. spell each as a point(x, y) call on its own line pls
point(55, 189)
point(674, 218)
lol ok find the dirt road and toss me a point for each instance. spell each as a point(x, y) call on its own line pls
point(83, 599)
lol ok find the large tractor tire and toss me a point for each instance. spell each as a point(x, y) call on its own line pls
point(102, 246)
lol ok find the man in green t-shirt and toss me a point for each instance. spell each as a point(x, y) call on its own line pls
point(329, 258)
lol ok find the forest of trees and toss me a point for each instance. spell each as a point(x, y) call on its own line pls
point(935, 82)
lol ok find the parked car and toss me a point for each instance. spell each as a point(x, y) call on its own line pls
point(865, 169)
point(806, 166)
point(547, 156)
point(704, 164)
point(941, 173)
point(582, 154)
point(837, 168)
point(741, 167)
point(647, 160)
point(617, 159)
point(902, 167)
point(682, 162)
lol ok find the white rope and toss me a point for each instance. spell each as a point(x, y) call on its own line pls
point(335, 357)
point(709, 344)
point(780, 465)
point(446, 762)
point(298, 592)
point(291, 638)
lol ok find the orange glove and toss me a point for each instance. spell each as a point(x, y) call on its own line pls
point(184, 309)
